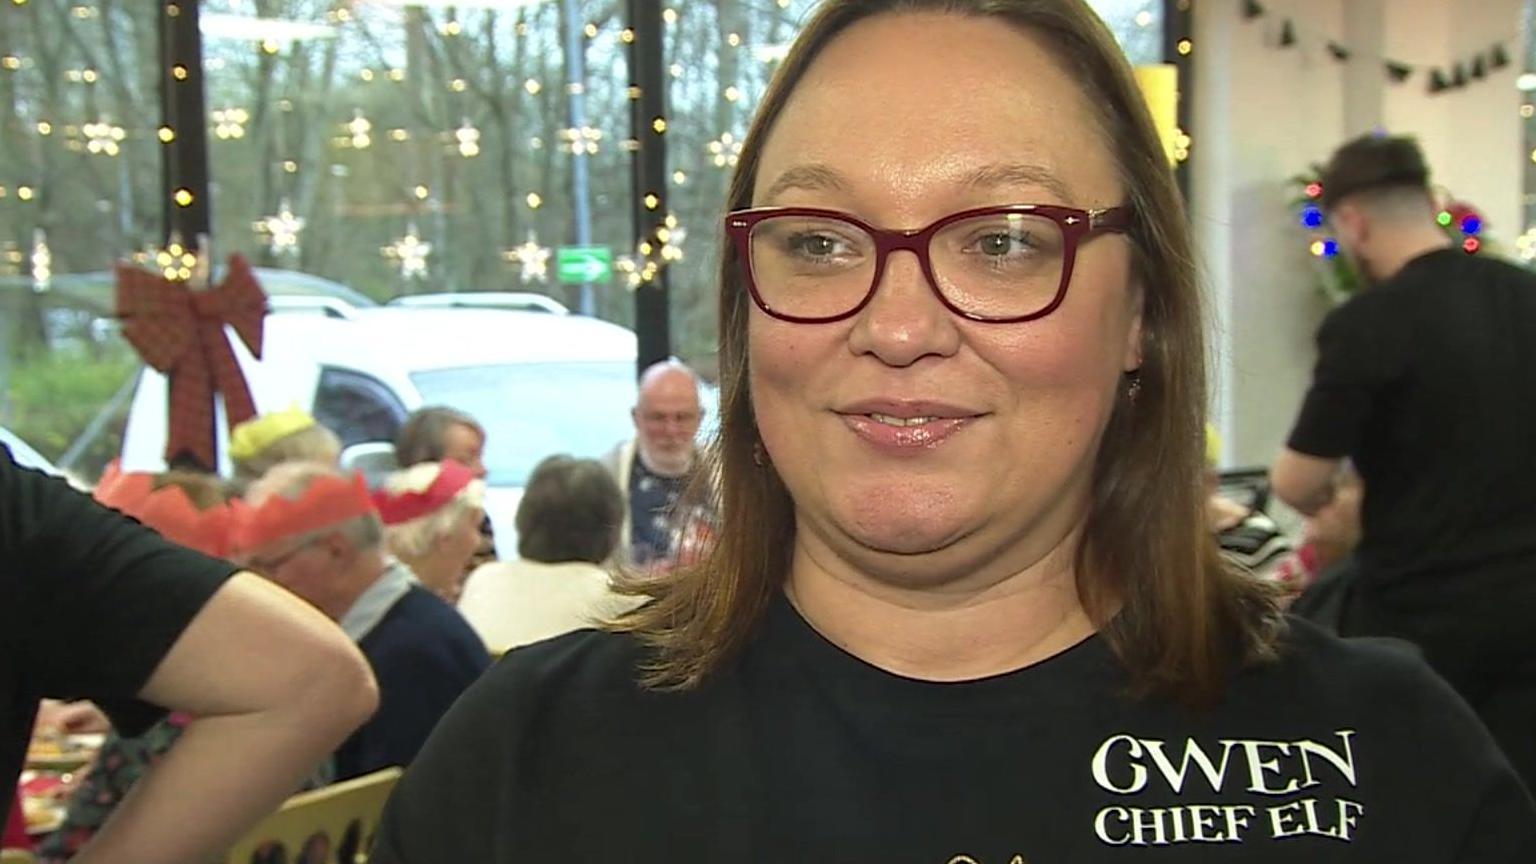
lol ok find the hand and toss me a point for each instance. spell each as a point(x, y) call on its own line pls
point(75, 718)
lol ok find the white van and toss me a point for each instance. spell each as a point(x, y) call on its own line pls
point(540, 383)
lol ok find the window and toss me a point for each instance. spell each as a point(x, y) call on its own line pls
point(535, 410)
point(357, 407)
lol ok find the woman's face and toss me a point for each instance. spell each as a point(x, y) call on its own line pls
point(901, 120)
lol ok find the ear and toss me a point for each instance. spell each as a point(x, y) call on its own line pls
point(1134, 347)
point(634, 416)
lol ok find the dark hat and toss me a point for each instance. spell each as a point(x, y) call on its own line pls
point(1373, 162)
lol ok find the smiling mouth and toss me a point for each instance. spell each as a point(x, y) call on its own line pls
point(892, 420)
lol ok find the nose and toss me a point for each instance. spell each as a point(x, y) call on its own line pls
point(904, 321)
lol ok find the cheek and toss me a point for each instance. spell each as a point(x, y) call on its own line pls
point(784, 358)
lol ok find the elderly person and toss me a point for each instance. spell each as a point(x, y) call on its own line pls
point(317, 533)
point(653, 469)
point(963, 606)
point(438, 433)
point(432, 514)
point(94, 605)
point(567, 526)
point(293, 435)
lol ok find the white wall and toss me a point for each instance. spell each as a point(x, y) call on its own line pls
point(1263, 114)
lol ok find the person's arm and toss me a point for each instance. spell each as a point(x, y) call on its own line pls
point(1304, 482)
point(275, 686)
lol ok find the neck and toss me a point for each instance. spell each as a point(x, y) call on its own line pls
point(1391, 259)
point(944, 634)
point(364, 570)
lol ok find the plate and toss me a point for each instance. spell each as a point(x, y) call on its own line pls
point(63, 752)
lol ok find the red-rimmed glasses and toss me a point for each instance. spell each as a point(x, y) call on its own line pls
point(1000, 265)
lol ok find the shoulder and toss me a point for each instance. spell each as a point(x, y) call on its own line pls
point(574, 667)
point(421, 623)
point(1385, 691)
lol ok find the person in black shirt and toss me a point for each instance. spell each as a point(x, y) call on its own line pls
point(93, 605)
point(1425, 381)
point(962, 606)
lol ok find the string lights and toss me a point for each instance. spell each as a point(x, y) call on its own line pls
point(410, 252)
point(532, 258)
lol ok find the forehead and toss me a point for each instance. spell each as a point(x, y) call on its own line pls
point(670, 394)
point(930, 107)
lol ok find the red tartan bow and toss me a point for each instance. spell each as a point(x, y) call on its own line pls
point(180, 332)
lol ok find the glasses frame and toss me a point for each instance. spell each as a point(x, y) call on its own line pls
point(1076, 226)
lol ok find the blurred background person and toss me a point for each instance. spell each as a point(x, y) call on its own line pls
point(1423, 382)
point(432, 513)
point(292, 435)
point(316, 532)
point(436, 434)
point(653, 469)
point(154, 627)
point(567, 525)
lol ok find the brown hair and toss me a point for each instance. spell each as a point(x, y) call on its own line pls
point(421, 437)
point(572, 510)
point(1148, 573)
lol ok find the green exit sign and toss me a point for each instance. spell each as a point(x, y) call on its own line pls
point(579, 265)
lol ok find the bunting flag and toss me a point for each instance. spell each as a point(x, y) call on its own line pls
point(1438, 79)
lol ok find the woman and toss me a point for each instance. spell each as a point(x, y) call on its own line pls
point(432, 514)
point(963, 607)
point(568, 523)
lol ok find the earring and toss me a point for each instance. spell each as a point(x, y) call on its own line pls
point(1133, 385)
point(759, 455)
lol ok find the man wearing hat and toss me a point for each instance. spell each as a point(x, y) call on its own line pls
point(1426, 380)
point(317, 532)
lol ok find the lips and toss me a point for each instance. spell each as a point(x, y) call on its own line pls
point(906, 426)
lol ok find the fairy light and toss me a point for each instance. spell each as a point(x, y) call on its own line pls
point(103, 138)
point(359, 127)
point(468, 138)
point(725, 151)
point(229, 123)
point(533, 86)
point(42, 261)
point(282, 229)
point(534, 200)
point(410, 252)
point(582, 141)
point(531, 258)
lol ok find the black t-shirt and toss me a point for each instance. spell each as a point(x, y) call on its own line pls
point(798, 751)
point(90, 602)
point(1428, 382)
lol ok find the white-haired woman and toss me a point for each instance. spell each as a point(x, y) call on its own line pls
point(432, 513)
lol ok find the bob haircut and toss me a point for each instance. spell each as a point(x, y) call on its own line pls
point(1150, 577)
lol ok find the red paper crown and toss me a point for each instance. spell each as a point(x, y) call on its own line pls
point(329, 500)
point(398, 507)
point(167, 510)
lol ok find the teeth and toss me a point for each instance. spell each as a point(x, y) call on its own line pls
point(888, 420)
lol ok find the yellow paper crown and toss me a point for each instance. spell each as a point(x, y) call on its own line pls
point(1212, 446)
point(254, 436)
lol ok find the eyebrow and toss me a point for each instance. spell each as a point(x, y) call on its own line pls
point(810, 177)
point(820, 177)
point(1018, 174)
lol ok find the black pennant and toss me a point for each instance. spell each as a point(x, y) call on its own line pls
point(1479, 71)
point(1459, 77)
point(1398, 72)
point(1338, 51)
point(1437, 82)
point(1287, 34)
point(1499, 58)
point(1252, 9)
